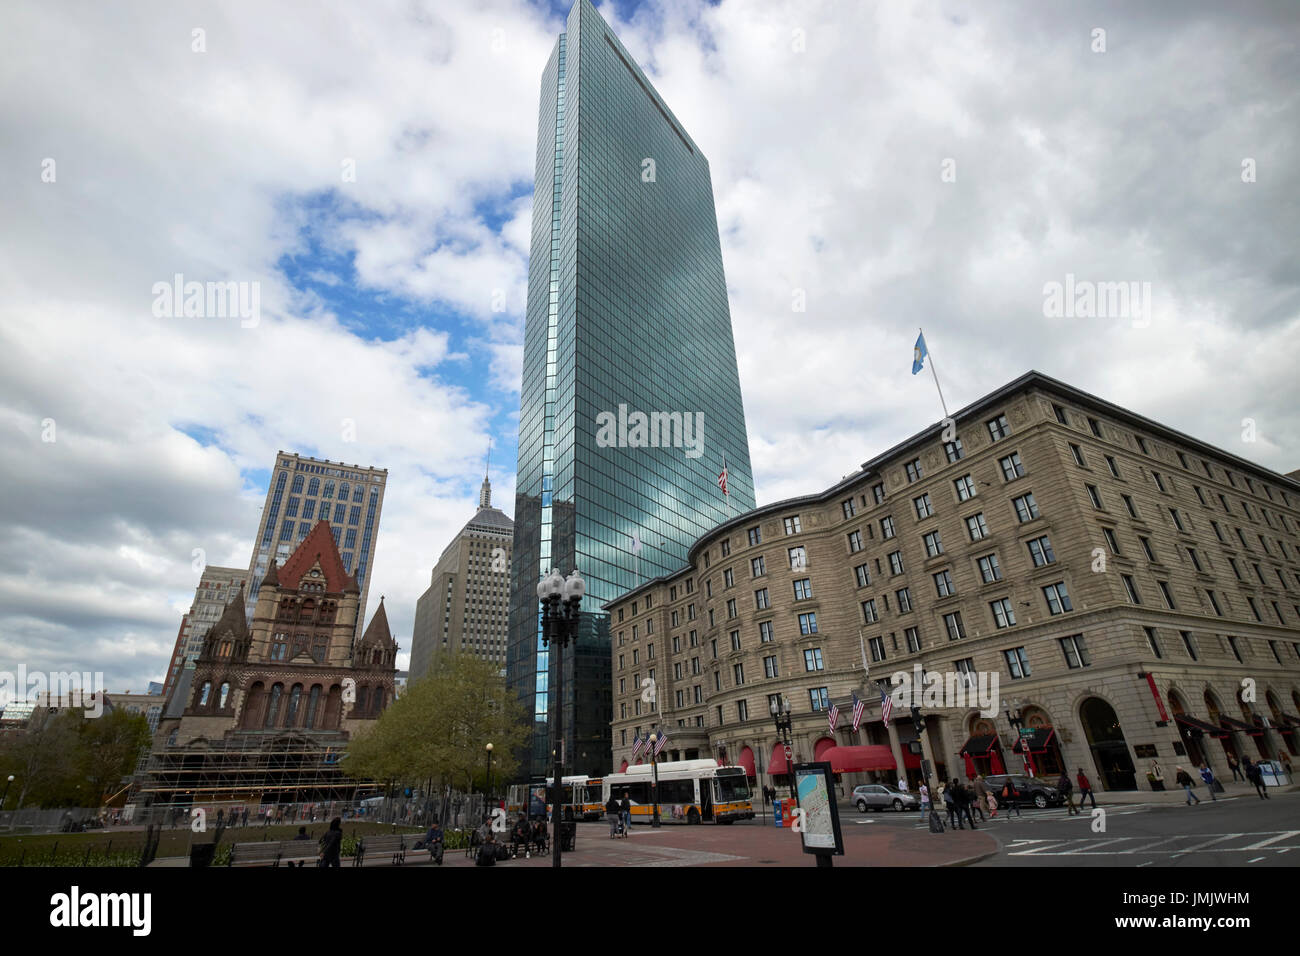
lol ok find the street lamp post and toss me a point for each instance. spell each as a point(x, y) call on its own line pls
point(1016, 720)
point(560, 598)
point(654, 770)
point(489, 772)
point(6, 795)
point(784, 722)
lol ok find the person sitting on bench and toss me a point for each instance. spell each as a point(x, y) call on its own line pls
point(520, 835)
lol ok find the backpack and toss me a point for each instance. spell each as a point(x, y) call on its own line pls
point(486, 855)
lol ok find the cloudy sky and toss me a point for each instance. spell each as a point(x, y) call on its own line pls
point(370, 167)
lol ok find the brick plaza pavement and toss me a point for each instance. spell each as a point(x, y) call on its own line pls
point(752, 844)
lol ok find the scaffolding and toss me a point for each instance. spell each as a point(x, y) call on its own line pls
point(252, 768)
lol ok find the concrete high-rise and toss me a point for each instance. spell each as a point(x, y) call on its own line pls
point(631, 397)
point(464, 610)
point(303, 491)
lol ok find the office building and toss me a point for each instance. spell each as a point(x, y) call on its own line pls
point(468, 600)
point(631, 398)
point(303, 491)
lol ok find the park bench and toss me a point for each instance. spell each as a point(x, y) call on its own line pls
point(273, 852)
point(380, 845)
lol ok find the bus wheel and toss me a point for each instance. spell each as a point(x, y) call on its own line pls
point(693, 816)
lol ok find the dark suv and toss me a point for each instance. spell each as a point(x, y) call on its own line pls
point(1030, 791)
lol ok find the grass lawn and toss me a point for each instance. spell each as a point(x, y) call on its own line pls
point(70, 849)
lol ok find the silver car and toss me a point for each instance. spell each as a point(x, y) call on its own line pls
point(879, 796)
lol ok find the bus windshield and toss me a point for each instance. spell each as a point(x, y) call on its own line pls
point(733, 787)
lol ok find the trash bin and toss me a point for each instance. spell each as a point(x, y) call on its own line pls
point(202, 854)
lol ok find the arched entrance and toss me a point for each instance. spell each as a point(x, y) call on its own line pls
point(821, 746)
point(983, 750)
point(1106, 740)
point(1190, 743)
point(1252, 729)
point(1281, 726)
point(1216, 718)
point(1044, 750)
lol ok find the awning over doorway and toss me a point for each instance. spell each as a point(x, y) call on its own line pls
point(860, 758)
point(1202, 725)
point(1230, 723)
point(979, 746)
point(1038, 741)
point(777, 765)
point(747, 762)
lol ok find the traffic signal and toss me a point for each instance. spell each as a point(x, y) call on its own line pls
point(918, 721)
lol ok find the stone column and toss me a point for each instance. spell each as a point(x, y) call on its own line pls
point(897, 749)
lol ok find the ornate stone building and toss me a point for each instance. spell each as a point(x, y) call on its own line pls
point(1135, 591)
point(265, 712)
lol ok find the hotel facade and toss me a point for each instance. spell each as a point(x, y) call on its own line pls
point(1135, 593)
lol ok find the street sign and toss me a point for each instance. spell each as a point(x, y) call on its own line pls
point(1026, 731)
point(788, 753)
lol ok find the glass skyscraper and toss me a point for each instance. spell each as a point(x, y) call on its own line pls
point(631, 399)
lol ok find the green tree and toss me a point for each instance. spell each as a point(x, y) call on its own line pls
point(439, 728)
point(44, 758)
point(110, 750)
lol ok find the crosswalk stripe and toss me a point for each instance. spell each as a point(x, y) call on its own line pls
point(1199, 846)
point(1272, 839)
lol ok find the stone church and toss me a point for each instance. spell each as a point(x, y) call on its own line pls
point(266, 711)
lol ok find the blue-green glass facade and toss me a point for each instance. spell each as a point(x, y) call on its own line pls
point(627, 309)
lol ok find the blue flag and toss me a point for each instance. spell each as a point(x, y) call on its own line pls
point(919, 353)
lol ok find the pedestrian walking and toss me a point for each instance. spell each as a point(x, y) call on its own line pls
point(949, 803)
point(612, 811)
point(1009, 799)
point(902, 782)
point(993, 805)
point(331, 844)
point(1184, 780)
point(965, 798)
point(1064, 785)
point(925, 800)
point(1235, 767)
point(1208, 776)
point(1256, 776)
point(625, 812)
point(1085, 789)
point(982, 795)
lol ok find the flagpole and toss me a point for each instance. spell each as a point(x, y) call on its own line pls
point(934, 372)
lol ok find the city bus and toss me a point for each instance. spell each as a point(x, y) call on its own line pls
point(690, 791)
point(583, 798)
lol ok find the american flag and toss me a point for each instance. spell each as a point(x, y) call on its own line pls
point(637, 744)
point(722, 480)
point(834, 717)
point(886, 706)
point(659, 744)
point(858, 707)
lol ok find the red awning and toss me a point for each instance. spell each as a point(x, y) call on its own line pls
point(1204, 726)
point(857, 759)
point(1230, 723)
point(777, 764)
point(820, 748)
point(623, 769)
point(747, 762)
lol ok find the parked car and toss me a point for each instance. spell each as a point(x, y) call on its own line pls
point(1030, 791)
point(879, 796)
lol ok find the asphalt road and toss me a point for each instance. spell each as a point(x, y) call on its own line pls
point(1237, 831)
